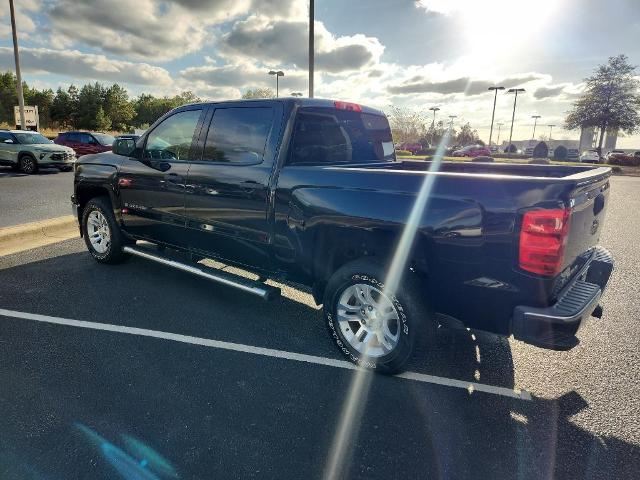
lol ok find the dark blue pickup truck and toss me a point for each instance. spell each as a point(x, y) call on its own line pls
point(310, 192)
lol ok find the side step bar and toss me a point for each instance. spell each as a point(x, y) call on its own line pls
point(266, 292)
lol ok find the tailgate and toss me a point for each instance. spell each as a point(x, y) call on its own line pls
point(588, 206)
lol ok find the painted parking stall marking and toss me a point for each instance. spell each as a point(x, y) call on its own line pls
point(471, 387)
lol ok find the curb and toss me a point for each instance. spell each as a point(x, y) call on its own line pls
point(22, 237)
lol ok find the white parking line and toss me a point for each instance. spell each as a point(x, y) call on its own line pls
point(267, 352)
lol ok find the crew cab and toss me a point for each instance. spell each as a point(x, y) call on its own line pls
point(310, 191)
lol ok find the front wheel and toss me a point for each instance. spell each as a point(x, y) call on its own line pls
point(27, 164)
point(374, 328)
point(101, 232)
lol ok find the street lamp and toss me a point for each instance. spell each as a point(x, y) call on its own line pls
point(434, 110)
point(495, 97)
point(513, 116)
point(296, 94)
point(499, 128)
point(451, 117)
point(535, 123)
point(550, 130)
point(278, 74)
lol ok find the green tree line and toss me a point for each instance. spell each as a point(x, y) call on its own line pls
point(90, 107)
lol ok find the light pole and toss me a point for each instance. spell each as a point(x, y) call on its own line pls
point(495, 97)
point(513, 115)
point(451, 117)
point(499, 128)
point(296, 94)
point(278, 74)
point(311, 46)
point(434, 110)
point(16, 55)
point(535, 123)
point(550, 130)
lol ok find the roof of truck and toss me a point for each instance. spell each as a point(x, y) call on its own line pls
point(302, 102)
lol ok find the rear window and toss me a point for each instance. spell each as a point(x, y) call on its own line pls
point(329, 136)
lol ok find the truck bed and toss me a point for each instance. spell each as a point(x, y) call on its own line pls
point(571, 172)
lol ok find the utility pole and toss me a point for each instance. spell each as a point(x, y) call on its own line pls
point(513, 116)
point(311, 46)
point(535, 123)
point(493, 114)
point(16, 55)
point(550, 130)
point(451, 117)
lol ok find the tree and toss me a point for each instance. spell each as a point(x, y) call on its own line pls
point(467, 136)
point(90, 99)
point(406, 125)
point(43, 99)
point(102, 120)
point(611, 100)
point(259, 93)
point(118, 107)
point(8, 97)
point(62, 108)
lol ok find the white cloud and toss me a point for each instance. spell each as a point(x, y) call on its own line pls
point(76, 64)
point(241, 77)
point(285, 42)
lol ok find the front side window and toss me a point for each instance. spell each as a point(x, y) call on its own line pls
point(171, 140)
point(86, 138)
point(328, 136)
point(238, 135)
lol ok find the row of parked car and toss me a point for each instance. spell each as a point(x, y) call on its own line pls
point(27, 151)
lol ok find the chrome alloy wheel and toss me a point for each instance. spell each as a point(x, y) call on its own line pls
point(98, 231)
point(368, 320)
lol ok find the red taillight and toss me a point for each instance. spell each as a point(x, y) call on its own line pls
point(352, 107)
point(542, 240)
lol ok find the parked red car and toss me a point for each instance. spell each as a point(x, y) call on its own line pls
point(86, 142)
point(414, 148)
point(472, 151)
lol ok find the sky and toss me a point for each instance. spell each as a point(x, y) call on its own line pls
point(411, 53)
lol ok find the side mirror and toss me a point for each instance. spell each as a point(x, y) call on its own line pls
point(124, 146)
point(8, 140)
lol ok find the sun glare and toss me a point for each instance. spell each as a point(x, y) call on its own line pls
point(500, 29)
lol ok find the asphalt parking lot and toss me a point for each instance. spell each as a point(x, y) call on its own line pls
point(166, 383)
point(27, 198)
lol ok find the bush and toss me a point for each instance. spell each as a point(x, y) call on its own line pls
point(625, 161)
point(403, 153)
point(426, 151)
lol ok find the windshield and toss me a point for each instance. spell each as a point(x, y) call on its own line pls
point(31, 138)
point(104, 139)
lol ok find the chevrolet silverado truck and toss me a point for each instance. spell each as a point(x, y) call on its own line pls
point(310, 192)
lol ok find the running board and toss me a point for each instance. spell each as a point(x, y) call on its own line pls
point(266, 292)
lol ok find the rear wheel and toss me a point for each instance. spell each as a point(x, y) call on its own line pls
point(27, 164)
point(101, 232)
point(370, 325)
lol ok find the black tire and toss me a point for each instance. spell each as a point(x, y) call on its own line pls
point(27, 164)
point(113, 253)
point(414, 317)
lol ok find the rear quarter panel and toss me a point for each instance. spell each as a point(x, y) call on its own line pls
point(464, 251)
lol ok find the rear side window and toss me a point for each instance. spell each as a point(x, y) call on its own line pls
point(238, 135)
point(85, 138)
point(5, 136)
point(328, 136)
point(73, 137)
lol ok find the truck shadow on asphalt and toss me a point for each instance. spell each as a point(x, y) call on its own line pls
point(269, 416)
